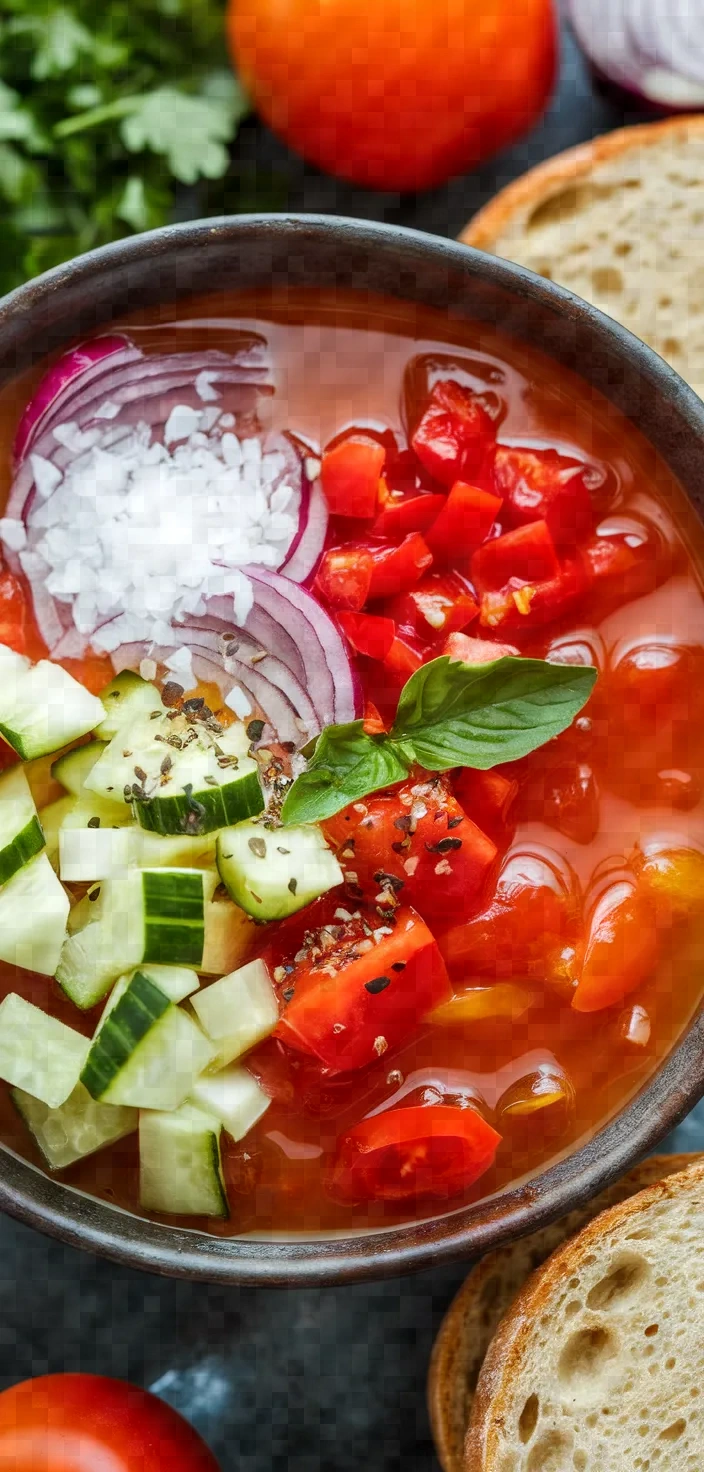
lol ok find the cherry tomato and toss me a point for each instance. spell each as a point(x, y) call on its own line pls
point(344, 577)
point(456, 436)
point(349, 475)
point(72, 1423)
point(434, 1150)
point(416, 843)
point(360, 989)
point(396, 96)
point(542, 484)
point(622, 947)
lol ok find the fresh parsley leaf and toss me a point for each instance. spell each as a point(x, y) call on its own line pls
point(452, 714)
point(191, 132)
point(346, 765)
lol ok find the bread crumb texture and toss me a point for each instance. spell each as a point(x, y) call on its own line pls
point(599, 1367)
point(627, 234)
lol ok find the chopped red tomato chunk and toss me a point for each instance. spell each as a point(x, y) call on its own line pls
point(463, 523)
point(440, 604)
point(621, 950)
point(361, 988)
point(413, 844)
point(435, 1150)
point(394, 569)
point(403, 659)
point(350, 474)
point(456, 437)
point(627, 558)
point(368, 633)
point(527, 554)
point(543, 485)
point(533, 915)
point(344, 577)
point(487, 798)
point(400, 514)
point(521, 608)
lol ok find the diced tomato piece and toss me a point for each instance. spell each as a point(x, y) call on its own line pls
point(521, 608)
point(344, 577)
point(655, 695)
point(627, 558)
point(402, 514)
point(562, 793)
point(456, 437)
point(543, 485)
point(464, 522)
point(434, 1150)
point(476, 651)
point(373, 724)
point(13, 614)
point(394, 569)
point(349, 475)
point(527, 554)
point(534, 913)
point(487, 798)
point(441, 603)
point(673, 880)
point(348, 1005)
point(368, 633)
point(622, 948)
point(403, 658)
point(413, 844)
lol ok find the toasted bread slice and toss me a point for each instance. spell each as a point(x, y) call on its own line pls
point(598, 1364)
point(482, 1301)
point(620, 221)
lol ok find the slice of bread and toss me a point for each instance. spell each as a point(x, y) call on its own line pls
point(485, 1296)
point(599, 1364)
point(620, 221)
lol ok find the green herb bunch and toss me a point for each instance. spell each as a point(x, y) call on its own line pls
point(105, 111)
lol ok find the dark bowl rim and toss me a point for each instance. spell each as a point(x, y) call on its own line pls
point(39, 1200)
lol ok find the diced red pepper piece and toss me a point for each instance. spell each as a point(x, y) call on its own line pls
point(527, 554)
point(534, 913)
point(344, 577)
point(401, 514)
point(622, 948)
point(464, 522)
point(349, 475)
point(413, 844)
point(348, 1008)
point(403, 658)
point(456, 437)
point(520, 607)
point(400, 1154)
point(487, 798)
point(394, 569)
point(476, 651)
point(543, 485)
point(441, 603)
point(368, 633)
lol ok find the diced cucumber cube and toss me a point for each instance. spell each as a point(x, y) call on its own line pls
point(12, 663)
point(72, 767)
point(38, 1053)
point(180, 1167)
point(146, 1052)
point(237, 1011)
point(51, 818)
point(44, 708)
point(272, 873)
point(87, 854)
point(233, 1097)
point(75, 1129)
point(124, 700)
point(21, 836)
point(34, 910)
point(230, 936)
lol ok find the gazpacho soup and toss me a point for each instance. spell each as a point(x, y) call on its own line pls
point(351, 833)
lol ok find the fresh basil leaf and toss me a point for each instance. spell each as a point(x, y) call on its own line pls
point(347, 764)
point(453, 714)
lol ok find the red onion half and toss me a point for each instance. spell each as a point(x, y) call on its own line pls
point(654, 48)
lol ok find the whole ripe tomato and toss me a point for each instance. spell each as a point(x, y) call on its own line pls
point(87, 1423)
point(400, 94)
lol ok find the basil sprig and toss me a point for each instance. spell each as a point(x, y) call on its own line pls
point(450, 714)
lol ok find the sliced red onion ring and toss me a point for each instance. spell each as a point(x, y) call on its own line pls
point(60, 378)
point(305, 551)
point(329, 675)
point(654, 48)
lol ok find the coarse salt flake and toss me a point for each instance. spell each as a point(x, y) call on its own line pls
point(238, 702)
point(13, 534)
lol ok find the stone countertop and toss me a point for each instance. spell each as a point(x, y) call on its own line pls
point(294, 1380)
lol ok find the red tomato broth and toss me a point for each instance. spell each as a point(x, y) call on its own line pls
point(345, 367)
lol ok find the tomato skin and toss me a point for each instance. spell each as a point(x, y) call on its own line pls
point(433, 1150)
point(346, 1016)
point(542, 484)
point(418, 843)
point(349, 475)
point(622, 948)
point(464, 522)
point(344, 577)
point(72, 1423)
point(395, 96)
point(455, 439)
point(394, 569)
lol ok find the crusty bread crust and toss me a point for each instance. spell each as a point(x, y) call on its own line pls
point(487, 1293)
point(490, 222)
point(505, 1357)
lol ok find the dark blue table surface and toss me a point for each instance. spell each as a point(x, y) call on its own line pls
point(276, 1380)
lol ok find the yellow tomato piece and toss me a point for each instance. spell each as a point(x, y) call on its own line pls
point(482, 1003)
